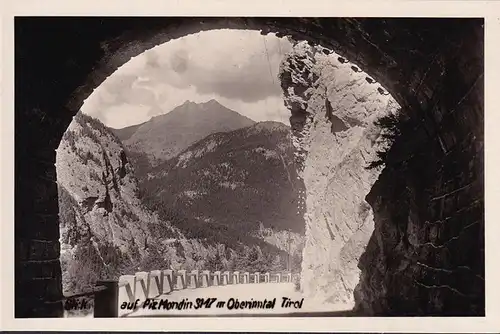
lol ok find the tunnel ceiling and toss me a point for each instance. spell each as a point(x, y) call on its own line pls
point(64, 59)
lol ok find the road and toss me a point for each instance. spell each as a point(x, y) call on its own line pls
point(229, 294)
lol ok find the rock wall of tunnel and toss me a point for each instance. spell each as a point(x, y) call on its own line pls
point(426, 255)
point(432, 67)
point(336, 138)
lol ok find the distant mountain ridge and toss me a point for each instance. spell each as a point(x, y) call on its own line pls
point(107, 230)
point(229, 185)
point(165, 136)
point(126, 133)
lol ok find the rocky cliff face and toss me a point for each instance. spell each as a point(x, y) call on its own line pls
point(334, 106)
point(287, 241)
point(105, 230)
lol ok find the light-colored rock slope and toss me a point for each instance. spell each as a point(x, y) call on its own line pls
point(105, 230)
point(335, 108)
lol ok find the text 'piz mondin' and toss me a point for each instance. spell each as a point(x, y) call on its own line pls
point(199, 303)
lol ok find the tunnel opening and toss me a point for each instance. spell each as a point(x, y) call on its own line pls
point(448, 134)
point(182, 166)
point(182, 160)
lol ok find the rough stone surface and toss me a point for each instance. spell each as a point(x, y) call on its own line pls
point(335, 142)
point(426, 255)
point(60, 61)
point(104, 229)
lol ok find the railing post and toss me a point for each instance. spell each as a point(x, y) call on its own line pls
point(182, 275)
point(256, 277)
point(246, 277)
point(225, 275)
point(278, 277)
point(266, 277)
point(206, 274)
point(142, 278)
point(195, 275)
point(128, 288)
point(106, 301)
point(169, 275)
point(217, 275)
point(161, 285)
point(154, 284)
point(236, 275)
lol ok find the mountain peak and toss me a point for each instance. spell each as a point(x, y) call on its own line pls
point(168, 134)
point(212, 101)
point(209, 103)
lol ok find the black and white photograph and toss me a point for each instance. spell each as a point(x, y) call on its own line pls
point(248, 166)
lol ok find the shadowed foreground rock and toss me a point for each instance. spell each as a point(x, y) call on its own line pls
point(426, 255)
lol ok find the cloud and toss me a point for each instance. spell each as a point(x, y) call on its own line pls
point(152, 60)
point(240, 65)
point(123, 115)
point(238, 68)
point(179, 61)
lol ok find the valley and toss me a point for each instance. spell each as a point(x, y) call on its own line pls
point(221, 194)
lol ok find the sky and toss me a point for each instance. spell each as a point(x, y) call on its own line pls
point(231, 66)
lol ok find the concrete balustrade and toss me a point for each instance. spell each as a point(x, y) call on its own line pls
point(256, 278)
point(205, 276)
point(225, 278)
point(246, 278)
point(155, 284)
point(127, 287)
point(217, 278)
point(168, 280)
point(181, 279)
point(236, 277)
point(194, 279)
point(158, 282)
point(142, 283)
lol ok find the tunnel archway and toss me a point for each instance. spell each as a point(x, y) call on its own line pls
point(432, 67)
